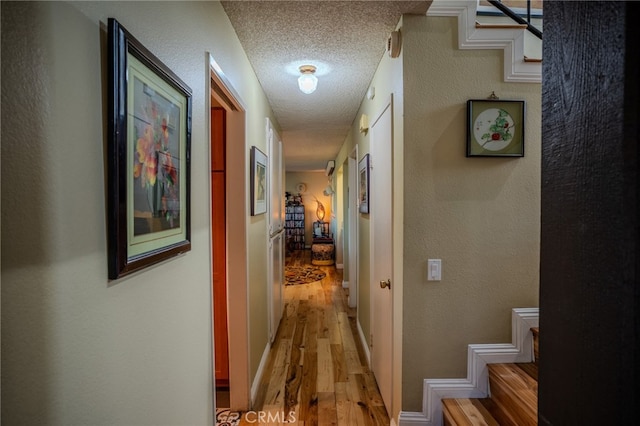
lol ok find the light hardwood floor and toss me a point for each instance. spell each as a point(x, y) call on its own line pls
point(317, 372)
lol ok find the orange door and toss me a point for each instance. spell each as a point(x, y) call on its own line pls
point(219, 237)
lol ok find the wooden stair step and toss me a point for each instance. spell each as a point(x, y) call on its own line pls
point(502, 26)
point(501, 417)
point(466, 412)
point(536, 338)
point(515, 394)
point(531, 368)
point(512, 401)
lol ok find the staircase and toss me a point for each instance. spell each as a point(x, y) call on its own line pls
point(512, 401)
point(501, 387)
point(480, 393)
point(522, 58)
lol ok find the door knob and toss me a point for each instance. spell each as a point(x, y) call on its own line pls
point(386, 283)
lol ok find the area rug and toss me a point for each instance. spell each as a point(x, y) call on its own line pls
point(302, 275)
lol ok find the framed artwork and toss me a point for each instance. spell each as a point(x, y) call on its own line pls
point(495, 128)
point(258, 182)
point(149, 138)
point(320, 229)
point(363, 193)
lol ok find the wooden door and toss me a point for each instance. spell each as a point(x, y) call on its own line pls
point(219, 243)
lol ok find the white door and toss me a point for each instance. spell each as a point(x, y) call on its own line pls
point(276, 184)
point(275, 230)
point(382, 288)
point(276, 262)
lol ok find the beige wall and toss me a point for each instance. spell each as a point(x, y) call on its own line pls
point(342, 191)
point(76, 347)
point(316, 182)
point(387, 82)
point(388, 85)
point(481, 216)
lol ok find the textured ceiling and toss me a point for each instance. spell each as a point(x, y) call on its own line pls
point(345, 40)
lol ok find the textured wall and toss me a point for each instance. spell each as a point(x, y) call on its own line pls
point(479, 215)
point(387, 82)
point(77, 348)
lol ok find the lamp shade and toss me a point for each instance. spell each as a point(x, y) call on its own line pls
point(307, 82)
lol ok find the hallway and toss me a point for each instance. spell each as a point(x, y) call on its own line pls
point(317, 369)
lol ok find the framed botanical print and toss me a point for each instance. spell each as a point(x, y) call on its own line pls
point(495, 128)
point(149, 138)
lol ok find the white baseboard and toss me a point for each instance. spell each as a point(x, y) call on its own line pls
point(365, 345)
point(409, 418)
point(256, 380)
point(476, 385)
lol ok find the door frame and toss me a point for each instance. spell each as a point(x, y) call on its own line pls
point(353, 229)
point(275, 278)
point(224, 93)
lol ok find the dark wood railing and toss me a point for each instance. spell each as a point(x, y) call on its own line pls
point(517, 17)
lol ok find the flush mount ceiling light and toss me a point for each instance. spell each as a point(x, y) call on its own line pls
point(307, 82)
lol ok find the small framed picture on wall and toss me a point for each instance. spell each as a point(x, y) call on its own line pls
point(258, 182)
point(363, 192)
point(495, 128)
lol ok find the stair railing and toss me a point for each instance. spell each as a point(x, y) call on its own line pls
point(516, 17)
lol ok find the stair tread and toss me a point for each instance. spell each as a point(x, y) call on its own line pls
point(466, 411)
point(515, 392)
point(530, 368)
point(501, 26)
point(503, 419)
point(512, 400)
point(536, 340)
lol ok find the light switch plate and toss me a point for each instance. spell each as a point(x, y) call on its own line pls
point(434, 270)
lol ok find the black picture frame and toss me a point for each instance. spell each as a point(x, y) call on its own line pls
point(364, 192)
point(495, 128)
point(148, 150)
point(259, 188)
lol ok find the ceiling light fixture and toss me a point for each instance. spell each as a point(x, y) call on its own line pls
point(307, 82)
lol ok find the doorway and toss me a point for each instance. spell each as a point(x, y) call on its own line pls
point(219, 254)
point(228, 233)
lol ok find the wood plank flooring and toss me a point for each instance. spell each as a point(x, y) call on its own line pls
point(317, 372)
